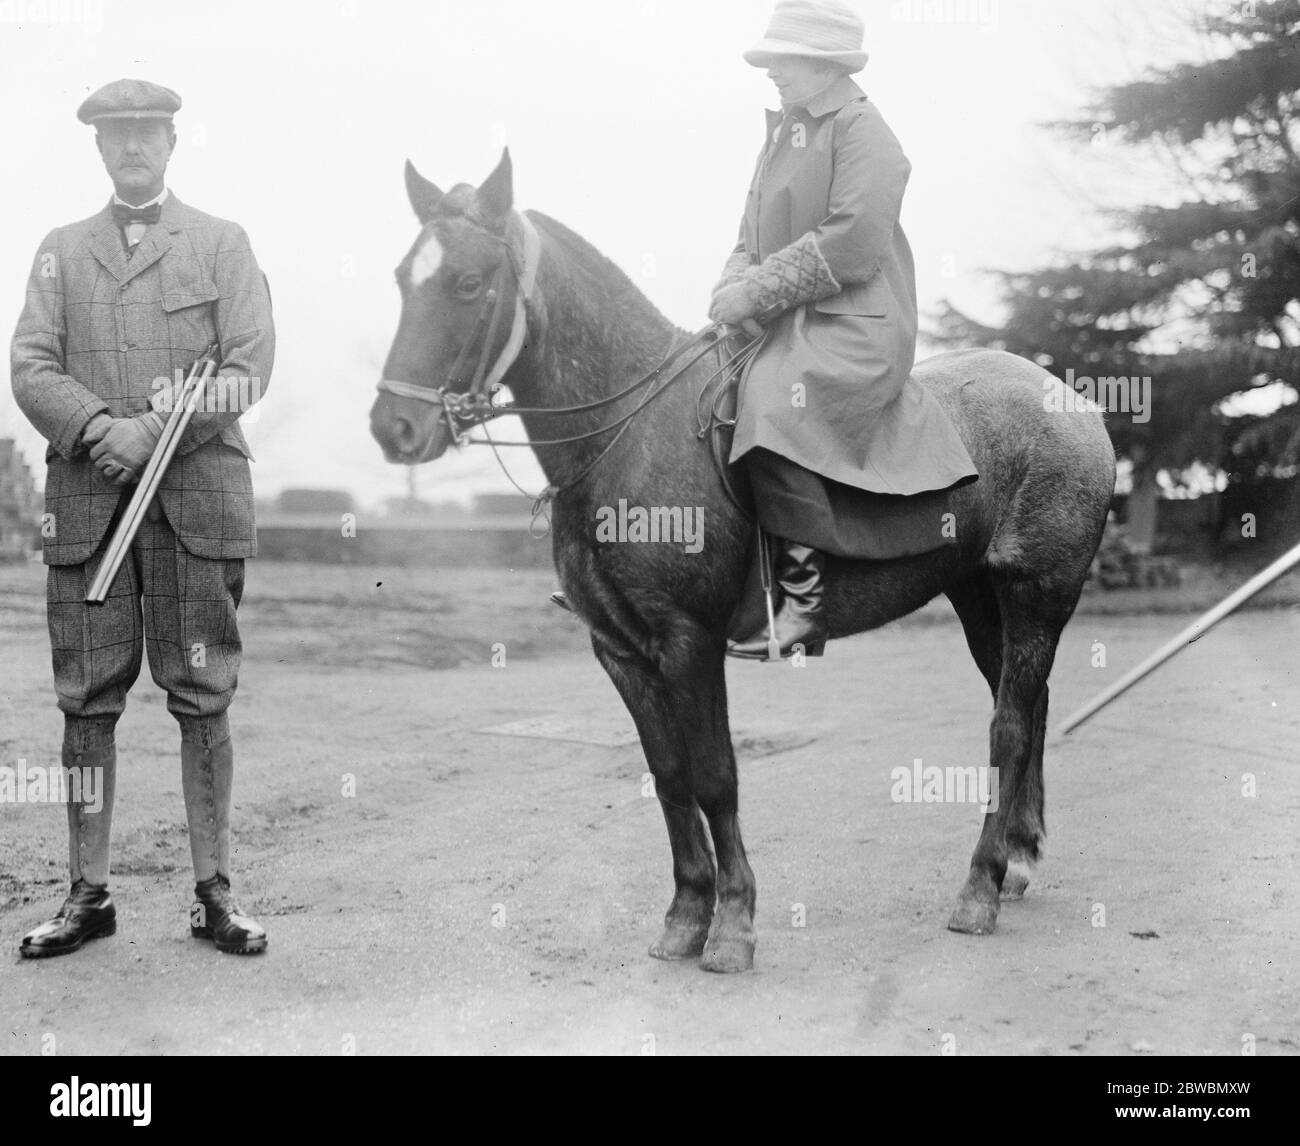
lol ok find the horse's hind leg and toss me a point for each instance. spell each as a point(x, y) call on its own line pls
point(646, 694)
point(1032, 615)
point(1020, 858)
point(976, 604)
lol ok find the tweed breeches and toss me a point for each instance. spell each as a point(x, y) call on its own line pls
point(166, 602)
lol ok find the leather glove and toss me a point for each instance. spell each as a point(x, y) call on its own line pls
point(123, 452)
point(96, 428)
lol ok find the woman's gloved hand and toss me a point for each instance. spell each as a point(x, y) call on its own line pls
point(737, 304)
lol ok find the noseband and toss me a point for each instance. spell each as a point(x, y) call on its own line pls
point(471, 406)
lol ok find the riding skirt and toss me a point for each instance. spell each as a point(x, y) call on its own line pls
point(796, 504)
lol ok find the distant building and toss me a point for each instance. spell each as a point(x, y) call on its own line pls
point(502, 505)
point(408, 507)
point(304, 501)
point(20, 504)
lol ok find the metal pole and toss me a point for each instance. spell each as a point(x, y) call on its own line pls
point(1195, 630)
point(119, 545)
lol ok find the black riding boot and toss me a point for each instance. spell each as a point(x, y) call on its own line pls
point(799, 620)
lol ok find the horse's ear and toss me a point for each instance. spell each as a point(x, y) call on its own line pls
point(424, 196)
point(496, 194)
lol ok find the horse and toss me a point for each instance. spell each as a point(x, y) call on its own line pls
point(1026, 531)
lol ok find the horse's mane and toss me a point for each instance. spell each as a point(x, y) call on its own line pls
point(612, 279)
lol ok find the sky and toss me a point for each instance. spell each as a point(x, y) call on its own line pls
point(635, 123)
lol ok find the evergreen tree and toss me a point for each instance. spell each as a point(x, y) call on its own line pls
point(1202, 296)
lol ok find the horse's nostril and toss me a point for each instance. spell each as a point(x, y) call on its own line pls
point(403, 434)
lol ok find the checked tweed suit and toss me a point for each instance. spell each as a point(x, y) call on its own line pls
point(119, 306)
point(107, 330)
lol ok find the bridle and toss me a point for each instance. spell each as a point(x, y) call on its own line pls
point(472, 406)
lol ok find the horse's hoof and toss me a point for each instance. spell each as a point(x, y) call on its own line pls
point(972, 917)
point(679, 943)
point(1015, 882)
point(728, 956)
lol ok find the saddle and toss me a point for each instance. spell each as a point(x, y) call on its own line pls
point(871, 526)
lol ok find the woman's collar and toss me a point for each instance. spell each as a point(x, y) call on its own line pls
point(832, 97)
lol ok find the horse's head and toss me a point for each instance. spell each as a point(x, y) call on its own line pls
point(459, 284)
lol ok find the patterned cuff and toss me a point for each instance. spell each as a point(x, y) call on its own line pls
point(735, 270)
point(792, 276)
point(69, 443)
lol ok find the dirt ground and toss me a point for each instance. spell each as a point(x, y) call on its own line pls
point(493, 889)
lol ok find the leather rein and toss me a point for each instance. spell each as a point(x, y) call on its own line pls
point(472, 406)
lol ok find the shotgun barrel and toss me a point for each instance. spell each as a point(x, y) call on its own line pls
point(184, 403)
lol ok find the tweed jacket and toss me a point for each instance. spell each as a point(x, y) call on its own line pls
point(104, 332)
point(831, 387)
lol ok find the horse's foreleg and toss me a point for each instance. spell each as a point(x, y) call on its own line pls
point(644, 691)
point(700, 701)
point(732, 937)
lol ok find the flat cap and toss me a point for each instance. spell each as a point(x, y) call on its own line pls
point(129, 99)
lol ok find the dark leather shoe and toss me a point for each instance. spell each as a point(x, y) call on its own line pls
point(216, 916)
point(87, 913)
point(799, 621)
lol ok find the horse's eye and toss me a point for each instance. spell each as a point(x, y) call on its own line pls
point(468, 286)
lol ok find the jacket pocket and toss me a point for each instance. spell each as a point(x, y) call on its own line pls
point(872, 299)
point(189, 311)
point(184, 286)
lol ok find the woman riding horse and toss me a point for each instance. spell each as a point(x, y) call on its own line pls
point(846, 453)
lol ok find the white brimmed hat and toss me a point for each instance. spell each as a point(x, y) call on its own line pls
point(817, 29)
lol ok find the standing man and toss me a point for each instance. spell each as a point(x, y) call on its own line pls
point(118, 306)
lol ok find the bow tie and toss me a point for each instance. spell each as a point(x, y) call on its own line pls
point(124, 216)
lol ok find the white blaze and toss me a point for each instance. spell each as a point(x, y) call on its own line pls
point(426, 262)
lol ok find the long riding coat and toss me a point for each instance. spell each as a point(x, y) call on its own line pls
point(831, 388)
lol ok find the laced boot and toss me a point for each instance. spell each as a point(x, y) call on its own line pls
point(216, 916)
point(207, 778)
point(88, 912)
